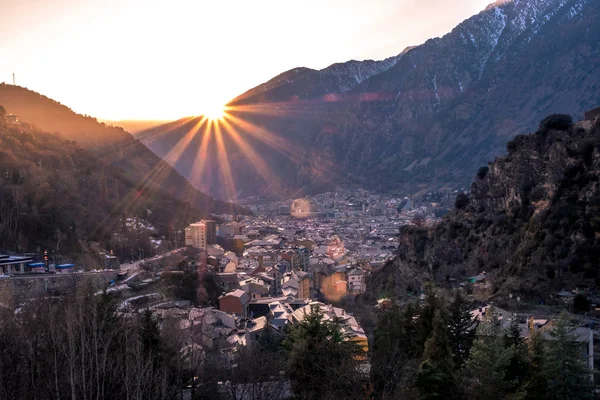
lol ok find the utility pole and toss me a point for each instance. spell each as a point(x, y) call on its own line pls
point(46, 261)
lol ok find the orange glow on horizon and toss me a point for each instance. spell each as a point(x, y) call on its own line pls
point(175, 70)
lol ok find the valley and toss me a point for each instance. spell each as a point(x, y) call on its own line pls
point(423, 225)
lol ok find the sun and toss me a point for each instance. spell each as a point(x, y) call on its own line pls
point(215, 112)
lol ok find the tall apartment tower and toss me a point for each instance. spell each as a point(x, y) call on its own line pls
point(211, 231)
point(201, 234)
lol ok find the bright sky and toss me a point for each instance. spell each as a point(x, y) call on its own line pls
point(148, 59)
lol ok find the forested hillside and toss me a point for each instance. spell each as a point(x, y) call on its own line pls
point(109, 144)
point(56, 195)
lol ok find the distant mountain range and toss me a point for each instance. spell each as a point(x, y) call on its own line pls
point(426, 118)
point(109, 145)
point(134, 126)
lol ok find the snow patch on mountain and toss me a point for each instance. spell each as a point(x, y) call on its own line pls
point(576, 9)
point(352, 73)
point(497, 25)
point(548, 14)
point(493, 31)
point(435, 88)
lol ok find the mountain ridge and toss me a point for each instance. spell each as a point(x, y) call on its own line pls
point(111, 145)
point(56, 195)
point(428, 120)
point(336, 78)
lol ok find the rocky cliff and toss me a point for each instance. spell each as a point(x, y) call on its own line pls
point(531, 222)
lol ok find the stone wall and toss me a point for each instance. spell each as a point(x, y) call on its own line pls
point(23, 287)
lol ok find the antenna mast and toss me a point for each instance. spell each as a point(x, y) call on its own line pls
point(14, 84)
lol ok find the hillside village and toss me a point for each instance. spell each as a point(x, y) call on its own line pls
point(273, 268)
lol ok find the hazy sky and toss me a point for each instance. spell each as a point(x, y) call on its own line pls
point(147, 59)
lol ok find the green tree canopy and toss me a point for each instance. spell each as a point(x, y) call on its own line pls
point(570, 377)
point(488, 361)
point(394, 353)
point(435, 376)
point(461, 328)
point(323, 362)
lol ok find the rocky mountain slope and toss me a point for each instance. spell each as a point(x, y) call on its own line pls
point(429, 116)
point(110, 145)
point(532, 221)
point(309, 84)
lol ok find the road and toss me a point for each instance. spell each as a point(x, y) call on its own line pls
point(136, 264)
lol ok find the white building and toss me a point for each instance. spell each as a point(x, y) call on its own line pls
point(356, 281)
point(196, 235)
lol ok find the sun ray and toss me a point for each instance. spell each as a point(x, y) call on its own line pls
point(154, 134)
point(154, 177)
point(257, 162)
point(182, 144)
point(276, 143)
point(224, 161)
point(200, 161)
point(278, 110)
point(162, 169)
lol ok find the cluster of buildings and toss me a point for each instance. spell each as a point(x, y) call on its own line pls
point(212, 332)
point(274, 269)
point(276, 265)
point(545, 325)
point(15, 265)
point(289, 258)
point(320, 247)
point(266, 259)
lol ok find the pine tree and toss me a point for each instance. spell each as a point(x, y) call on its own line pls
point(388, 356)
point(435, 376)
point(152, 344)
point(570, 377)
point(437, 347)
point(488, 361)
point(395, 352)
point(536, 386)
point(431, 305)
point(518, 368)
point(412, 330)
point(461, 329)
point(323, 364)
